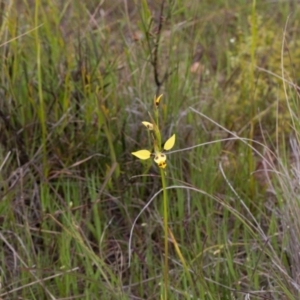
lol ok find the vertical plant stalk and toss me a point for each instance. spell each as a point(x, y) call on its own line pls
point(166, 234)
point(253, 106)
point(110, 144)
point(160, 158)
point(5, 16)
point(41, 110)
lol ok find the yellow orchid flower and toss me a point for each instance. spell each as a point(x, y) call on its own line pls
point(157, 100)
point(148, 125)
point(159, 157)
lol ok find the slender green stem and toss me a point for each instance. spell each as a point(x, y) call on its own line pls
point(41, 111)
point(252, 78)
point(166, 268)
point(157, 131)
point(110, 144)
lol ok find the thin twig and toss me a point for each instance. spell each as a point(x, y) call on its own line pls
point(154, 55)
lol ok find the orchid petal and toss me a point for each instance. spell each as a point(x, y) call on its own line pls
point(142, 154)
point(170, 143)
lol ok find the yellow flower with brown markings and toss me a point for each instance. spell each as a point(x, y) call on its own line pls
point(157, 100)
point(148, 125)
point(159, 157)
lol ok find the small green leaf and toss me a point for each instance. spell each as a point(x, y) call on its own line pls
point(142, 154)
point(170, 143)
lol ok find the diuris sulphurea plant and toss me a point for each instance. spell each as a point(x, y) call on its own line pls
point(160, 158)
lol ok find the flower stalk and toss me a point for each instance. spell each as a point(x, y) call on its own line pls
point(160, 158)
